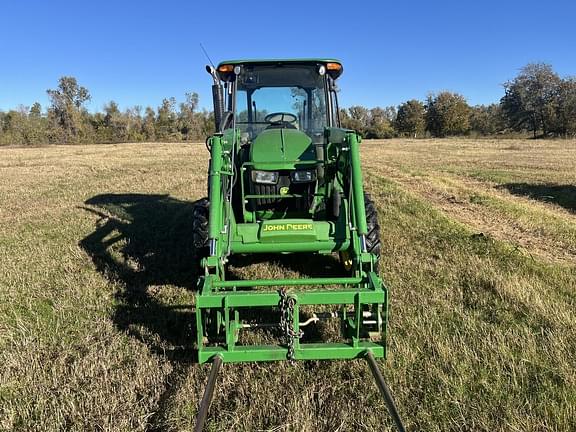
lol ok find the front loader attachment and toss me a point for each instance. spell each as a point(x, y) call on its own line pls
point(360, 303)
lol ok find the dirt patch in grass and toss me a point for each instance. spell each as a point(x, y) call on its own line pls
point(468, 207)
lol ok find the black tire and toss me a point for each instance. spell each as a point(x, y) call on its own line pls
point(200, 215)
point(373, 244)
point(200, 218)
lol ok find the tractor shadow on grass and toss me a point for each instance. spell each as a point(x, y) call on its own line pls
point(562, 195)
point(144, 242)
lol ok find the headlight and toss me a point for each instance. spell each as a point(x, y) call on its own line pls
point(303, 176)
point(265, 177)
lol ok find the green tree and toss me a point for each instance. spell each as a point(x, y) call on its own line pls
point(35, 110)
point(166, 126)
point(447, 114)
point(14, 126)
point(115, 123)
point(530, 99)
point(149, 124)
point(356, 118)
point(188, 120)
point(411, 118)
point(206, 124)
point(37, 125)
point(23, 126)
point(67, 106)
point(134, 123)
point(2, 133)
point(566, 107)
point(380, 123)
point(486, 119)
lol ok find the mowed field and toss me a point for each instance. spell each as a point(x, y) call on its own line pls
point(96, 294)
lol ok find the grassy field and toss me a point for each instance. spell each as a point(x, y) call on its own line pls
point(96, 302)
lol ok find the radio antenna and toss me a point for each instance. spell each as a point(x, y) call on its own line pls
point(207, 56)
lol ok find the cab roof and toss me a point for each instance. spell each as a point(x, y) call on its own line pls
point(312, 61)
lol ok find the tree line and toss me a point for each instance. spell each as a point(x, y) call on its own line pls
point(67, 120)
point(537, 102)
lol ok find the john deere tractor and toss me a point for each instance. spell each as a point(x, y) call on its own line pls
point(285, 178)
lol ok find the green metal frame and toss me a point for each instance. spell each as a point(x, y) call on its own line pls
point(358, 292)
point(222, 304)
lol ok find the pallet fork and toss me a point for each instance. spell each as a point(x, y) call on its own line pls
point(378, 377)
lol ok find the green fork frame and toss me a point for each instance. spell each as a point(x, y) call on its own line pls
point(227, 300)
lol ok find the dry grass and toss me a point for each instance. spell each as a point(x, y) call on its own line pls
point(522, 192)
point(95, 299)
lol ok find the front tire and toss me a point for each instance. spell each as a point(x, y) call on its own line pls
point(373, 244)
point(200, 215)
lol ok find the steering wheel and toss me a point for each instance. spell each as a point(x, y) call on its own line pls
point(281, 119)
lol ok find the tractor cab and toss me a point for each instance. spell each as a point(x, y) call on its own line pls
point(278, 112)
point(281, 94)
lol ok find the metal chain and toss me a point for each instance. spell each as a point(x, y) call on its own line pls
point(286, 305)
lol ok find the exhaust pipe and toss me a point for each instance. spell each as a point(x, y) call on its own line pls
point(217, 97)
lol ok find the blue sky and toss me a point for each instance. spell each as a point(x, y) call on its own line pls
point(136, 53)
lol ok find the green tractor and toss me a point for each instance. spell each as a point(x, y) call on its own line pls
point(285, 178)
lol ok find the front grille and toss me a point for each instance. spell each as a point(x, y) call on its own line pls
point(282, 204)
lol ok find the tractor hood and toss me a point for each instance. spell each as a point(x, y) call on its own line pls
point(281, 149)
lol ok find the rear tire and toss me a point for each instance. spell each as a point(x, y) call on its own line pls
point(200, 215)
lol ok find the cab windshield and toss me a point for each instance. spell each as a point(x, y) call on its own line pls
point(289, 96)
